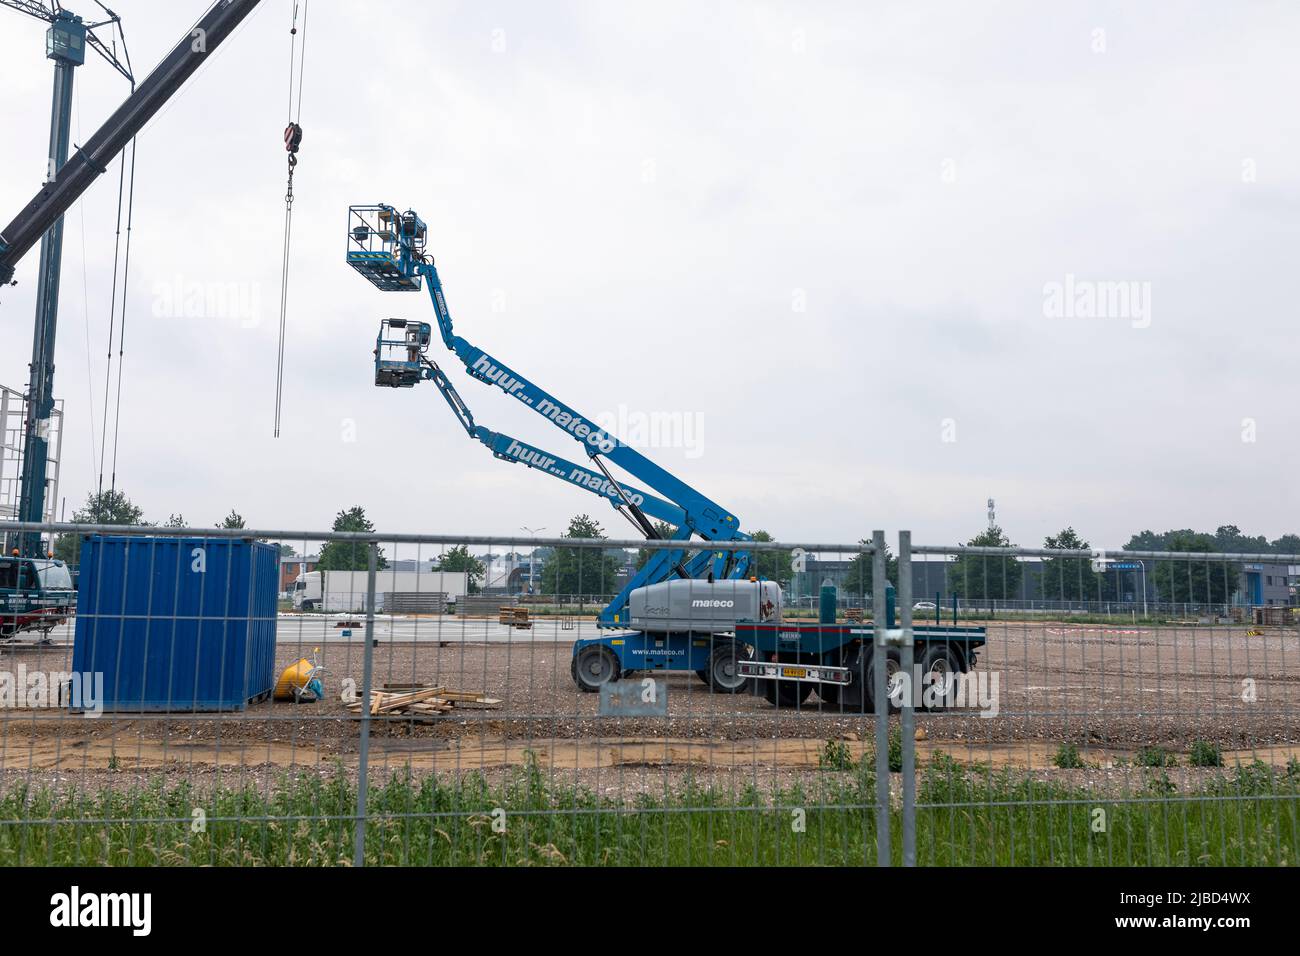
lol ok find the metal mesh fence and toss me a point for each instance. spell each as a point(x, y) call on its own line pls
point(240, 697)
point(1128, 708)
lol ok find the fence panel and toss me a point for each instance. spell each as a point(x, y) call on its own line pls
point(239, 697)
point(1103, 724)
point(186, 720)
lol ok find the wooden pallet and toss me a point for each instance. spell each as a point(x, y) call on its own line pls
point(515, 617)
point(419, 701)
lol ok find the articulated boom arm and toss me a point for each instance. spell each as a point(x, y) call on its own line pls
point(415, 367)
point(387, 247)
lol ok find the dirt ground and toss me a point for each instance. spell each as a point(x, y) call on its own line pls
point(1109, 690)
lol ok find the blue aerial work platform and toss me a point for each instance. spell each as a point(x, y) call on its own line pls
point(786, 660)
point(385, 247)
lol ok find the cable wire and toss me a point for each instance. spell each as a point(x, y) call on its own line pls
point(292, 140)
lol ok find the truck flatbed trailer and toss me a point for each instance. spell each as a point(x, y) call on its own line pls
point(784, 661)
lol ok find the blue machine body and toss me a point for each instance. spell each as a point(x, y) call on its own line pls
point(177, 624)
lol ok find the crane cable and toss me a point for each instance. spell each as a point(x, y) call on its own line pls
point(121, 332)
point(292, 141)
point(113, 316)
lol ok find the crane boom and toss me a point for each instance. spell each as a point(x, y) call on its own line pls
point(74, 177)
point(41, 220)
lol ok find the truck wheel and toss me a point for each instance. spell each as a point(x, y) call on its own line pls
point(858, 696)
point(893, 671)
point(593, 666)
point(942, 662)
point(723, 676)
point(703, 676)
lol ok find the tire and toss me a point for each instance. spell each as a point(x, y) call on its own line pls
point(703, 676)
point(858, 696)
point(938, 659)
point(893, 667)
point(592, 666)
point(721, 676)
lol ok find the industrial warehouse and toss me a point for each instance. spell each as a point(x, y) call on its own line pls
point(592, 435)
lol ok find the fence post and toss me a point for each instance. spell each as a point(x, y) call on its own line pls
point(907, 718)
point(879, 584)
point(368, 657)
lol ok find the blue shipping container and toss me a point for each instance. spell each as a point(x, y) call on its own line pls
point(177, 624)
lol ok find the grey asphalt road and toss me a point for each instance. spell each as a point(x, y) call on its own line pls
point(311, 629)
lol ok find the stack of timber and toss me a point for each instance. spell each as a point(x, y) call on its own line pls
point(515, 617)
point(411, 602)
point(420, 701)
point(482, 605)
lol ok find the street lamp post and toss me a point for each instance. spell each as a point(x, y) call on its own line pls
point(1143, 565)
point(532, 555)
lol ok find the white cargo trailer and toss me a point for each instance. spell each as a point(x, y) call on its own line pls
point(345, 591)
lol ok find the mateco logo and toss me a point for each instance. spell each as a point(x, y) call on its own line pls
point(535, 458)
point(712, 602)
point(490, 373)
point(483, 368)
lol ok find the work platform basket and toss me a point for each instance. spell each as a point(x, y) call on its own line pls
point(387, 246)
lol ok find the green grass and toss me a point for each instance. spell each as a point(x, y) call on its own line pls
point(1156, 757)
point(1205, 754)
point(836, 755)
point(1068, 757)
point(1247, 816)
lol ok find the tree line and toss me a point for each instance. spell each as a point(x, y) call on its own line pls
point(992, 577)
point(594, 570)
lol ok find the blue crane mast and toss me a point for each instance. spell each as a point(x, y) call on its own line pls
point(388, 248)
point(70, 175)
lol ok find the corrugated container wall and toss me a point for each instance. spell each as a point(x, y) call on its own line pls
point(177, 624)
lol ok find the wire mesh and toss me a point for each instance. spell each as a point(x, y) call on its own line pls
point(248, 697)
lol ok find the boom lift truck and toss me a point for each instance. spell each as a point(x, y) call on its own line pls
point(691, 608)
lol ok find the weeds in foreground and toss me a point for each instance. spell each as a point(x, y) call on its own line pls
point(965, 816)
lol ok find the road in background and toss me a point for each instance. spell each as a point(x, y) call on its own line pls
point(325, 629)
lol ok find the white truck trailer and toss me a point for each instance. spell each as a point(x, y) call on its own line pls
point(345, 591)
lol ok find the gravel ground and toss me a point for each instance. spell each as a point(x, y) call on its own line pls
point(1109, 690)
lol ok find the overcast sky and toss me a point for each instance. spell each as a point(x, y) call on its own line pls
point(850, 247)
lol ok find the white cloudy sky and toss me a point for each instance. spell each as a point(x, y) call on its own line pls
point(653, 189)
